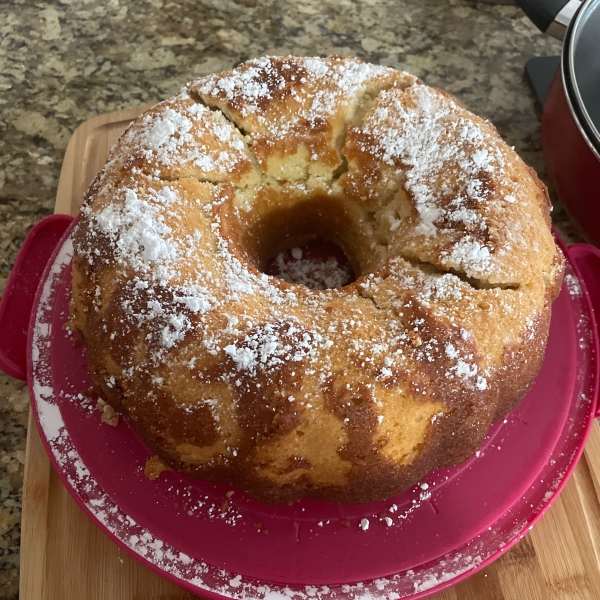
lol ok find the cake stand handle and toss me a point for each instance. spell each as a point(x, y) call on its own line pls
point(587, 259)
point(17, 300)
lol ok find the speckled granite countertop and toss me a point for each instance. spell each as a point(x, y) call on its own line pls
point(65, 61)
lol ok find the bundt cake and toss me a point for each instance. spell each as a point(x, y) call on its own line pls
point(350, 394)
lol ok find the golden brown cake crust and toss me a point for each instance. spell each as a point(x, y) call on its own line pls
point(346, 395)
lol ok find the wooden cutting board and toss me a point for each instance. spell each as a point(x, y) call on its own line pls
point(64, 556)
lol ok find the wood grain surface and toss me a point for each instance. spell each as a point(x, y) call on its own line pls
point(64, 556)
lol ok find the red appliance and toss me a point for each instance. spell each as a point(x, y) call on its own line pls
point(571, 120)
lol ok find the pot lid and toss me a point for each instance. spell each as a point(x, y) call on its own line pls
point(581, 71)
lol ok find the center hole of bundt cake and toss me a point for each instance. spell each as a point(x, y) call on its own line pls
point(304, 239)
point(318, 264)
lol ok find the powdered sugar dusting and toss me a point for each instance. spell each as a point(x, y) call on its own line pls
point(432, 581)
point(138, 230)
point(314, 274)
point(426, 137)
point(135, 226)
point(572, 284)
point(183, 136)
point(470, 255)
point(42, 390)
point(258, 80)
point(265, 347)
point(49, 413)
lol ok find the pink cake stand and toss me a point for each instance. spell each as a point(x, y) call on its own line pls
point(216, 541)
